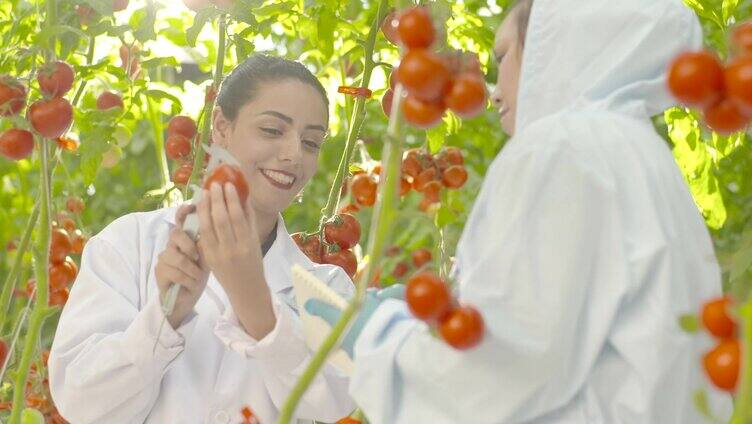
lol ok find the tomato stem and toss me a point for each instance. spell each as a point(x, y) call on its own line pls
point(198, 160)
point(291, 403)
point(89, 61)
point(12, 279)
point(39, 312)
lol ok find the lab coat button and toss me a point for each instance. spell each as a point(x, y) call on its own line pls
point(222, 417)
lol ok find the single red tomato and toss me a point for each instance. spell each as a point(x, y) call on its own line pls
point(12, 96)
point(427, 296)
point(363, 188)
point(425, 176)
point(16, 144)
point(109, 100)
point(467, 97)
point(177, 146)
point(182, 125)
point(696, 78)
point(451, 154)
point(424, 75)
point(58, 297)
point(58, 275)
point(118, 5)
point(462, 328)
point(226, 173)
point(422, 114)
point(415, 28)
point(78, 241)
point(741, 38)
point(400, 269)
point(344, 259)
point(51, 118)
point(68, 224)
point(182, 174)
point(421, 257)
point(55, 79)
point(343, 230)
point(74, 204)
point(432, 191)
point(411, 166)
point(454, 177)
point(738, 82)
point(726, 118)
point(716, 319)
point(386, 103)
point(722, 364)
point(71, 269)
point(60, 245)
point(389, 27)
point(309, 245)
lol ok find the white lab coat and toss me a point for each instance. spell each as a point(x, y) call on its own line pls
point(101, 365)
point(583, 247)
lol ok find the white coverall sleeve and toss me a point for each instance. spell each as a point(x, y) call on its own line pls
point(283, 356)
point(545, 266)
point(101, 365)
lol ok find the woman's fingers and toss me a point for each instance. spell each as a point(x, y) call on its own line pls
point(182, 212)
point(183, 242)
point(175, 258)
point(237, 215)
point(220, 218)
point(173, 275)
point(206, 227)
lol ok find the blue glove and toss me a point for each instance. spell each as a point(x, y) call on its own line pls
point(373, 299)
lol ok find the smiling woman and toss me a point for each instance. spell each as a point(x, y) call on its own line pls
point(234, 336)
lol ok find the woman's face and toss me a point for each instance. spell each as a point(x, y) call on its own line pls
point(276, 137)
point(508, 53)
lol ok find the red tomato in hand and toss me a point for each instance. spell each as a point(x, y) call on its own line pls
point(427, 296)
point(16, 144)
point(60, 245)
point(716, 319)
point(696, 79)
point(422, 114)
point(344, 259)
point(226, 173)
point(177, 146)
point(725, 118)
point(55, 79)
point(309, 245)
point(363, 188)
point(722, 364)
point(182, 174)
point(389, 27)
point(462, 328)
point(12, 96)
point(421, 257)
point(467, 97)
point(738, 82)
point(343, 231)
point(424, 75)
point(51, 118)
point(109, 100)
point(182, 125)
point(415, 28)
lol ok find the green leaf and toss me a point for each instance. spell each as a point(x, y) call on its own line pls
point(201, 18)
point(436, 137)
point(689, 323)
point(326, 25)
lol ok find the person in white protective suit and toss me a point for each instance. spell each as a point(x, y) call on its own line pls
point(583, 247)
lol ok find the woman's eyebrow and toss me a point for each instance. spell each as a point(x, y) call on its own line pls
point(289, 120)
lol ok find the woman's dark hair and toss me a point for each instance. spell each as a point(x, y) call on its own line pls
point(522, 9)
point(242, 85)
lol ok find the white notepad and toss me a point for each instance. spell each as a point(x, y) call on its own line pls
point(315, 329)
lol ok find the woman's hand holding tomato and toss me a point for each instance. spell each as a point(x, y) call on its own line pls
point(181, 263)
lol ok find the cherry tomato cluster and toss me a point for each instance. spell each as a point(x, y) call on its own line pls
point(181, 132)
point(37, 390)
point(429, 299)
point(50, 116)
point(699, 79)
point(434, 82)
point(248, 416)
point(722, 363)
point(334, 246)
